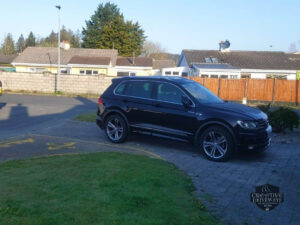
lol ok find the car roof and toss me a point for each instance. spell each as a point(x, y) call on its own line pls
point(155, 78)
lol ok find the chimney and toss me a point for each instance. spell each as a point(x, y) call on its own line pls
point(65, 45)
point(224, 46)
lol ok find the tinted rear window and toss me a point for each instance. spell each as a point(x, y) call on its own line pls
point(141, 89)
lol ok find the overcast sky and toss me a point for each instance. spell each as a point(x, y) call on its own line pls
point(176, 24)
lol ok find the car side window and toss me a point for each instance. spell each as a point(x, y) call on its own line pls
point(141, 89)
point(120, 89)
point(169, 93)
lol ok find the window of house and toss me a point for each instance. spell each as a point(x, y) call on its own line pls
point(175, 73)
point(184, 74)
point(122, 74)
point(246, 76)
point(64, 71)
point(208, 60)
point(139, 89)
point(214, 76)
point(40, 69)
point(95, 72)
point(88, 72)
point(82, 72)
point(32, 70)
point(169, 93)
point(132, 74)
point(204, 75)
point(233, 76)
point(168, 73)
point(224, 76)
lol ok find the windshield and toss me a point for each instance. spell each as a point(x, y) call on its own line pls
point(201, 93)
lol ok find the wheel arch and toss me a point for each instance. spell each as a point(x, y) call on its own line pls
point(118, 112)
point(215, 123)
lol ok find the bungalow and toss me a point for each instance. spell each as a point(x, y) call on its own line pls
point(133, 66)
point(81, 61)
point(78, 61)
point(240, 64)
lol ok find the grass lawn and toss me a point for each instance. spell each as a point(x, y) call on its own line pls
point(86, 117)
point(102, 188)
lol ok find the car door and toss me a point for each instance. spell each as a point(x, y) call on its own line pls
point(171, 115)
point(137, 96)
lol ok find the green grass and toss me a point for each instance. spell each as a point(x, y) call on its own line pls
point(102, 188)
point(86, 117)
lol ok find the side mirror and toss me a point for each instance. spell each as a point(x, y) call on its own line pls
point(186, 102)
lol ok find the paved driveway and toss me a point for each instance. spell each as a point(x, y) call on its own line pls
point(48, 128)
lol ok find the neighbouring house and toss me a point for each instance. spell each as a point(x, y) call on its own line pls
point(72, 60)
point(160, 65)
point(133, 66)
point(5, 62)
point(81, 61)
point(240, 64)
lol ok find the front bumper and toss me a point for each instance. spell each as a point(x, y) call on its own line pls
point(256, 139)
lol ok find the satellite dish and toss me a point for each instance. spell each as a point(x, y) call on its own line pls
point(226, 44)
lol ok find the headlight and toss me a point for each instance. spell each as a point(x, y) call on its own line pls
point(247, 124)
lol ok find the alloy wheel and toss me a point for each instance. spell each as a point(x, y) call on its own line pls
point(114, 129)
point(215, 144)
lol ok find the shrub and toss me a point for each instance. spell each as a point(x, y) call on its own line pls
point(283, 118)
point(265, 108)
point(280, 118)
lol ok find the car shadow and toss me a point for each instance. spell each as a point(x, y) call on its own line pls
point(161, 142)
point(2, 105)
point(19, 118)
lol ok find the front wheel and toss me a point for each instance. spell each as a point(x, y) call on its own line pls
point(116, 129)
point(216, 143)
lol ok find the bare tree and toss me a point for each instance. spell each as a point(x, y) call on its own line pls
point(152, 48)
point(293, 47)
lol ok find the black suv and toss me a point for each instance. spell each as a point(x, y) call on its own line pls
point(183, 109)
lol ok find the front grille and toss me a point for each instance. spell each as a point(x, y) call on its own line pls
point(262, 123)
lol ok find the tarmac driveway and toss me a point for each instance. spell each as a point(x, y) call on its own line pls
point(224, 187)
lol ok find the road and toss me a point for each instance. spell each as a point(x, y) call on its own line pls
point(33, 126)
point(21, 114)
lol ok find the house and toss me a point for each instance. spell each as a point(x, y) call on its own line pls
point(78, 61)
point(133, 66)
point(240, 64)
point(81, 61)
point(160, 65)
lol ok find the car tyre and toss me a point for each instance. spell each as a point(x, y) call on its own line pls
point(216, 143)
point(116, 129)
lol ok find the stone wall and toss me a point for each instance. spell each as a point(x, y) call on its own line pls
point(35, 82)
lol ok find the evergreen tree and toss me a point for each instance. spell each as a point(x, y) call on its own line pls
point(20, 44)
point(8, 46)
point(75, 40)
point(108, 29)
point(30, 41)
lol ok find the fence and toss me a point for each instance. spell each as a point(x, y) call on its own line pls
point(269, 90)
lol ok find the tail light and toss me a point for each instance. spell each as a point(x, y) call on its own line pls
point(100, 101)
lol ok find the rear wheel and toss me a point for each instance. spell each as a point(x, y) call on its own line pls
point(216, 143)
point(116, 129)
